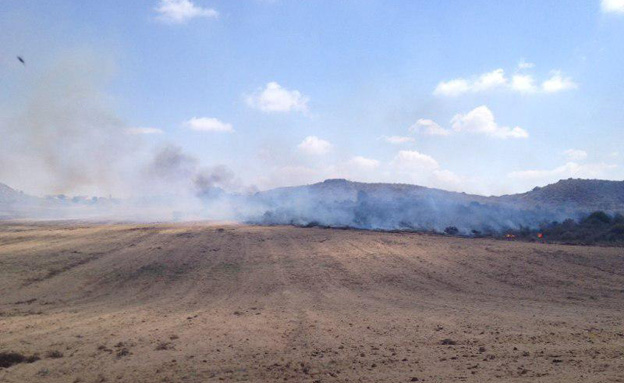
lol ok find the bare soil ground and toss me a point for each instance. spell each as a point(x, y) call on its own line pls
point(203, 303)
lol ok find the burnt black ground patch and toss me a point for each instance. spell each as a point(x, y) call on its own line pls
point(8, 359)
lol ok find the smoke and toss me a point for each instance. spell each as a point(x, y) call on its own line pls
point(65, 136)
point(176, 170)
point(170, 163)
point(211, 178)
point(340, 203)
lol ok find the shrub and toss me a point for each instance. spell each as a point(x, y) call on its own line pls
point(597, 217)
point(596, 228)
point(162, 346)
point(618, 229)
point(55, 354)
point(451, 230)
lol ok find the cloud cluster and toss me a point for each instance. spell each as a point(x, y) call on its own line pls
point(398, 140)
point(575, 154)
point(415, 167)
point(557, 83)
point(570, 169)
point(208, 124)
point(481, 121)
point(614, 6)
point(519, 82)
point(413, 161)
point(525, 65)
point(407, 166)
point(181, 11)
point(428, 127)
point(144, 130)
point(575, 167)
point(274, 98)
point(363, 163)
point(315, 146)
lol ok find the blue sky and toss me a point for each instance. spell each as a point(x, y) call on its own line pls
point(480, 96)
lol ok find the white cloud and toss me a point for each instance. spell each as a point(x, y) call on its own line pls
point(422, 169)
point(357, 168)
point(484, 82)
point(362, 163)
point(398, 140)
point(481, 121)
point(314, 146)
point(557, 83)
point(406, 167)
point(490, 80)
point(520, 82)
point(616, 6)
point(289, 176)
point(208, 124)
point(411, 160)
point(452, 87)
point(575, 154)
point(447, 177)
point(275, 98)
point(181, 11)
point(525, 65)
point(140, 130)
point(570, 169)
point(428, 127)
point(523, 83)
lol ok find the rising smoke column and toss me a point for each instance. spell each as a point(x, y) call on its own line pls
point(64, 135)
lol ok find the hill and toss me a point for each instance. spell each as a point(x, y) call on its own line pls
point(342, 203)
point(575, 195)
point(9, 195)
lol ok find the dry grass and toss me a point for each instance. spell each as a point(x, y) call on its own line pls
point(198, 303)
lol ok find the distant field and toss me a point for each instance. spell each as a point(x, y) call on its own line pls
point(202, 303)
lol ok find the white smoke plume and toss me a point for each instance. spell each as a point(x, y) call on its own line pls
point(64, 136)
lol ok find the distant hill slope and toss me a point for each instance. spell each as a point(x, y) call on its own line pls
point(574, 194)
point(10, 195)
point(12, 202)
point(341, 189)
point(342, 203)
point(379, 206)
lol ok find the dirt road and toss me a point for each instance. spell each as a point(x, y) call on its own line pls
point(203, 303)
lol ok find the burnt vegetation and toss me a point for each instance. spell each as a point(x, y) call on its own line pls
point(8, 359)
point(594, 229)
point(344, 204)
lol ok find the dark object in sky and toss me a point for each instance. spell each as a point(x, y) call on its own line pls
point(21, 60)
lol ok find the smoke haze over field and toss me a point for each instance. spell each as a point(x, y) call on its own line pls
point(63, 133)
point(65, 137)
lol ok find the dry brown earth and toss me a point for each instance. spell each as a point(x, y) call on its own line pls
point(203, 303)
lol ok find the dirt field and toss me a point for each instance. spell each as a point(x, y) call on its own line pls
point(203, 303)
